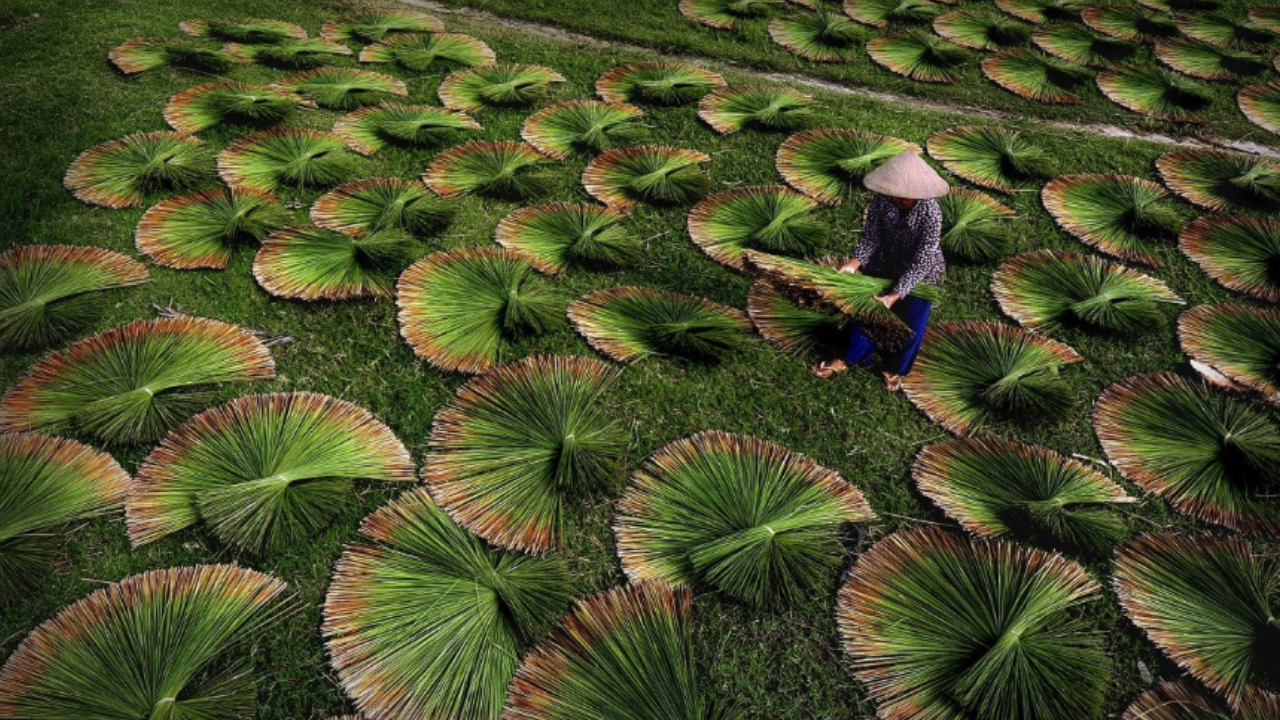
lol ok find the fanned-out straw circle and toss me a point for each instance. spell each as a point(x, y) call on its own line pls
point(1266, 17)
point(1218, 29)
point(47, 483)
point(771, 218)
point(502, 169)
point(518, 444)
point(975, 227)
point(289, 54)
point(47, 291)
point(497, 85)
point(344, 88)
point(363, 206)
point(168, 639)
point(972, 372)
point(1156, 93)
point(795, 328)
point(1235, 341)
point(1261, 105)
point(370, 129)
point(725, 14)
point(1043, 11)
point(614, 651)
point(285, 158)
point(1035, 76)
point(246, 30)
point(624, 177)
point(374, 25)
point(1117, 214)
point(581, 127)
point(141, 54)
point(1185, 700)
point(1240, 252)
point(825, 37)
point(980, 29)
point(743, 515)
point(628, 324)
point(202, 230)
point(263, 472)
point(264, 31)
point(756, 106)
point(397, 656)
point(461, 309)
point(1082, 46)
point(658, 83)
point(1050, 289)
point(992, 157)
point(231, 103)
point(998, 488)
point(1210, 454)
point(122, 173)
point(1133, 24)
point(880, 13)
point(937, 625)
point(917, 55)
point(558, 235)
point(1209, 62)
point(132, 383)
point(419, 52)
point(311, 263)
point(1221, 181)
point(1209, 604)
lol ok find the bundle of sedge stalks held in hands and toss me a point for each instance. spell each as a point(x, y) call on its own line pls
point(822, 283)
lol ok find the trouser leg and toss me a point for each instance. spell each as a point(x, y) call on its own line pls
point(860, 348)
point(915, 313)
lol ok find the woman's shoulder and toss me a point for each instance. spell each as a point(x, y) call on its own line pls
point(879, 206)
point(931, 209)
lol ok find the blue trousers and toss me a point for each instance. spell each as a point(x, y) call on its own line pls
point(915, 313)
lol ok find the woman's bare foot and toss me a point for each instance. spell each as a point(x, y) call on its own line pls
point(828, 368)
point(892, 383)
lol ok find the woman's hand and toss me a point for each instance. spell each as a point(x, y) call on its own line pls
point(851, 266)
point(888, 300)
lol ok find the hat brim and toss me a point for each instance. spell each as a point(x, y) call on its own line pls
point(906, 175)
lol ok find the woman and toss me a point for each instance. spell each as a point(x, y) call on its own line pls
point(901, 241)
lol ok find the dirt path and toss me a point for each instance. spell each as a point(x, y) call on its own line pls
point(555, 33)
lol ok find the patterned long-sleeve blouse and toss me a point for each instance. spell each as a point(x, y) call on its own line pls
point(905, 247)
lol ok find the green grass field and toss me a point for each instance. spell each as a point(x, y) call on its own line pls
point(61, 97)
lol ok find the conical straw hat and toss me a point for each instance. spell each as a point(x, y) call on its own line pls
point(906, 176)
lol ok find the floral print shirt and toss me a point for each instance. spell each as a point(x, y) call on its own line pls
point(902, 246)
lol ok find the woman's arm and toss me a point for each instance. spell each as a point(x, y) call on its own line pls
point(870, 241)
point(923, 262)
